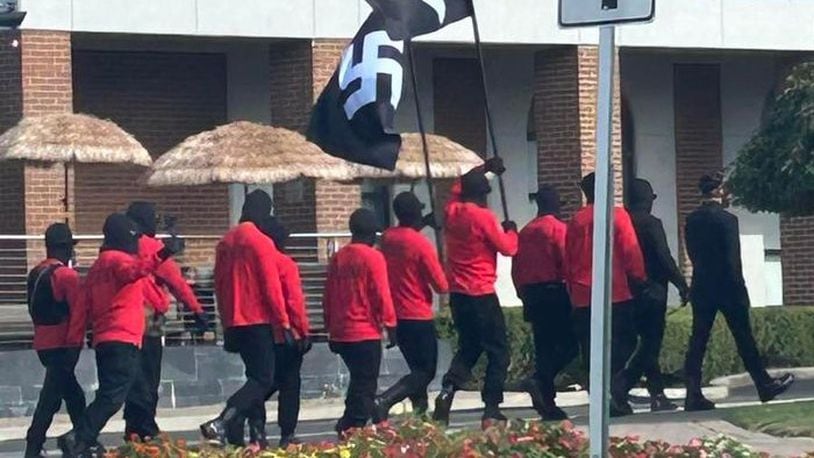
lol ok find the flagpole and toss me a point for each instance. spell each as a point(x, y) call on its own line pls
point(423, 131)
point(489, 124)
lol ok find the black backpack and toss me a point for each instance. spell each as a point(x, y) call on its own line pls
point(43, 308)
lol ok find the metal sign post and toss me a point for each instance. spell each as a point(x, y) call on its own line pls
point(580, 13)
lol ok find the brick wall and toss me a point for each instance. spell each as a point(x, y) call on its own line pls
point(798, 263)
point(160, 98)
point(698, 138)
point(12, 207)
point(565, 121)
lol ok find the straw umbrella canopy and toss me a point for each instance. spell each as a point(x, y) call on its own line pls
point(246, 153)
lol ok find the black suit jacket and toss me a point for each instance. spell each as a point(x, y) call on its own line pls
point(713, 244)
point(658, 261)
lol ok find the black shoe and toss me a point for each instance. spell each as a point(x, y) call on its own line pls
point(443, 404)
point(235, 431)
point(34, 451)
point(257, 433)
point(381, 409)
point(698, 403)
point(553, 413)
point(96, 450)
point(216, 430)
point(619, 408)
point(69, 445)
point(775, 388)
point(289, 439)
point(492, 417)
point(660, 403)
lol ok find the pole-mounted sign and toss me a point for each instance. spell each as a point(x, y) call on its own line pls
point(604, 13)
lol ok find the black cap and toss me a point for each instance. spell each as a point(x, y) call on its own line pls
point(59, 235)
point(256, 206)
point(710, 182)
point(407, 207)
point(475, 185)
point(120, 234)
point(588, 185)
point(363, 222)
point(641, 195)
point(547, 199)
point(143, 214)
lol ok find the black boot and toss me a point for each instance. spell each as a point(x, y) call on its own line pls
point(660, 403)
point(696, 402)
point(70, 445)
point(443, 404)
point(492, 416)
point(775, 387)
point(385, 401)
point(257, 432)
point(33, 450)
point(620, 407)
point(546, 408)
point(235, 431)
point(289, 439)
point(215, 430)
point(420, 406)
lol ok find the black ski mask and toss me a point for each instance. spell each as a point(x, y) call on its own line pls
point(408, 209)
point(641, 196)
point(256, 207)
point(121, 234)
point(59, 242)
point(475, 187)
point(363, 226)
point(272, 228)
point(548, 201)
point(143, 214)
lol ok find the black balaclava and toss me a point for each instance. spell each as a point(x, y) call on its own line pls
point(408, 210)
point(641, 196)
point(59, 242)
point(475, 187)
point(121, 234)
point(272, 228)
point(143, 214)
point(256, 207)
point(363, 226)
point(548, 201)
point(588, 185)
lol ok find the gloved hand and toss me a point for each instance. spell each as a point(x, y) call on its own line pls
point(509, 226)
point(305, 345)
point(494, 165)
point(201, 322)
point(172, 246)
point(429, 220)
point(288, 335)
point(392, 338)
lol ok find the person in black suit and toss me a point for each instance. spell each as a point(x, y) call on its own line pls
point(713, 244)
point(651, 301)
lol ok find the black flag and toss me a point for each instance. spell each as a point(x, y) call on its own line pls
point(405, 19)
point(354, 116)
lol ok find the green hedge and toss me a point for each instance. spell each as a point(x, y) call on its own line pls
point(785, 336)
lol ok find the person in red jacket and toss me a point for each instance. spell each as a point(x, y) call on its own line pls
point(473, 239)
point(413, 268)
point(58, 339)
point(114, 295)
point(628, 275)
point(357, 305)
point(142, 400)
point(538, 272)
point(251, 305)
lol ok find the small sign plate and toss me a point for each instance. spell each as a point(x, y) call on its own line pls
point(582, 13)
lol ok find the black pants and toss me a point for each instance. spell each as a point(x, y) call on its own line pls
point(255, 344)
point(117, 366)
point(287, 367)
point(142, 400)
point(59, 384)
point(737, 318)
point(650, 322)
point(623, 338)
point(363, 360)
point(419, 345)
point(481, 328)
point(548, 308)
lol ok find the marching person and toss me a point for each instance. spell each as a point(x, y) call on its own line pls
point(473, 239)
point(539, 278)
point(651, 302)
point(251, 305)
point(114, 293)
point(713, 244)
point(59, 333)
point(357, 307)
point(413, 268)
point(628, 274)
point(142, 400)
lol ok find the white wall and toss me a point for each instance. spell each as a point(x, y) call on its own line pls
point(734, 24)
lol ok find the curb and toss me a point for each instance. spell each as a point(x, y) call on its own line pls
point(743, 380)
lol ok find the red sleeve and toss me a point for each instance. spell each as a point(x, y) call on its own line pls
point(504, 242)
point(66, 287)
point(132, 268)
point(379, 291)
point(170, 274)
point(432, 268)
point(631, 251)
point(269, 277)
point(154, 295)
point(294, 298)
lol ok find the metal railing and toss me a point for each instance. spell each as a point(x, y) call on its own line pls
point(18, 253)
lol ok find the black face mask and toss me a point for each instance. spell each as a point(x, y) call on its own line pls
point(121, 234)
point(143, 214)
point(256, 207)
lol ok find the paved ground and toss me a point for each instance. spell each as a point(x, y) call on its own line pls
point(318, 418)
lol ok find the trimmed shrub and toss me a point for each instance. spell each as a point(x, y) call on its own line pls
point(785, 336)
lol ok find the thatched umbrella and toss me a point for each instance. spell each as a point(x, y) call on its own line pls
point(69, 138)
point(246, 153)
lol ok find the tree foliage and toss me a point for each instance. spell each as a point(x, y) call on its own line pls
point(774, 171)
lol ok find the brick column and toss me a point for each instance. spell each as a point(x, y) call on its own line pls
point(300, 69)
point(565, 120)
point(698, 137)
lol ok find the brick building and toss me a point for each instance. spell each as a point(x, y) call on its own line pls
point(686, 101)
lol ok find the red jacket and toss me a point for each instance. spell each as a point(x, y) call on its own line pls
point(247, 281)
point(412, 267)
point(115, 292)
point(540, 252)
point(168, 276)
point(70, 333)
point(357, 302)
point(473, 239)
point(628, 263)
point(294, 298)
